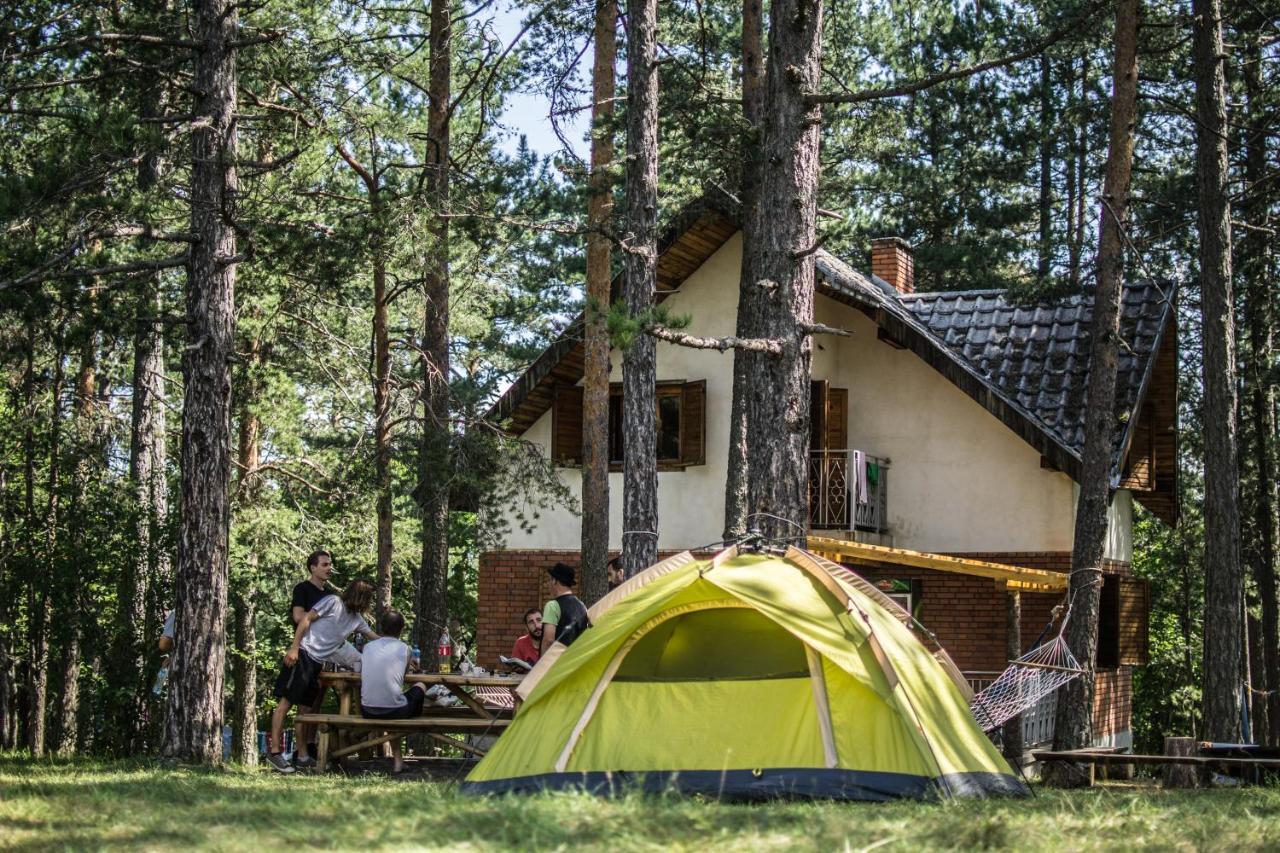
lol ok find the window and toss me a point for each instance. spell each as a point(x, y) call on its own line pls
point(680, 413)
point(1122, 622)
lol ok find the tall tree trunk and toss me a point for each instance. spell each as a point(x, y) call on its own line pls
point(1074, 726)
point(435, 474)
point(193, 726)
point(1045, 255)
point(244, 670)
point(639, 362)
point(39, 598)
point(71, 602)
point(736, 510)
point(1011, 734)
point(382, 424)
point(1080, 176)
point(147, 458)
point(1223, 580)
point(595, 385)
point(780, 234)
point(8, 570)
point(1256, 264)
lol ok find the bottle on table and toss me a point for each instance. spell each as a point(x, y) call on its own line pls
point(444, 652)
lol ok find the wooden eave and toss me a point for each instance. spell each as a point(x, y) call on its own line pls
point(1014, 577)
point(696, 233)
point(1157, 405)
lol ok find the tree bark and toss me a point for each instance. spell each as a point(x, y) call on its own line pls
point(1256, 264)
point(1044, 263)
point(147, 459)
point(193, 727)
point(736, 510)
point(433, 574)
point(595, 385)
point(639, 364)
point(381, 408)
point(1223, 580)
point(1011, 735)
point(1074, 726)
point(244, 669)
point(39, 598)
point(71, 603)
point(779, 233)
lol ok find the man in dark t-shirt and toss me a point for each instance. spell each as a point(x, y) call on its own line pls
point(305, 597)
point(564, 617)
point(309, 592)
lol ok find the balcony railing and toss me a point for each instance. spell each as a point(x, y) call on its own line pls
point(1037, 722)
point(848, 491)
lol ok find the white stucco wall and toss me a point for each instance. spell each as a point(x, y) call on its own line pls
point(959, 480)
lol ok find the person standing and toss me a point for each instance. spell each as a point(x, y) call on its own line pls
point(564, 617)
point(319, 635)
point(614, 573)
point(306, 595)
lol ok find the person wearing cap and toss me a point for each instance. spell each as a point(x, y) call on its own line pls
point(564, 617)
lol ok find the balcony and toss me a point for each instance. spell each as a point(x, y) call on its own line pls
point(848, 490)
point(1037, 722)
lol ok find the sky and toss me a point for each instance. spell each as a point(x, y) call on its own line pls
point(527, 113)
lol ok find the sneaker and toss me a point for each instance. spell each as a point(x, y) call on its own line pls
point(277, 761)
point(303, 762)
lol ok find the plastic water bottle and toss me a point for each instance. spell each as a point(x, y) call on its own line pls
point(162, 678)
point(444, 652)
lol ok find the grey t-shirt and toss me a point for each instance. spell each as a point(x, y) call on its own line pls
point(382, 675)
point(167, 630)
point(334, 623)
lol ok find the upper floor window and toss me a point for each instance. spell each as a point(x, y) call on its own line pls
point(679, 412)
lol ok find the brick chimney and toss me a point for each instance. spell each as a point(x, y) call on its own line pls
point(891, 261)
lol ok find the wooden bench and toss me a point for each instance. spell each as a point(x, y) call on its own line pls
point(435, 727)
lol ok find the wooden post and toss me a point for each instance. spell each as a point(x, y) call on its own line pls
point(1180, 775)
point(322, 760)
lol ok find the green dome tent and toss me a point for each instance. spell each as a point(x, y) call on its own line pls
point(746, 676)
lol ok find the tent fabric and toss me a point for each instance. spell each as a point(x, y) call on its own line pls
point(746, 676)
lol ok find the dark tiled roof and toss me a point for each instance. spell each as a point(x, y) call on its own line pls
point(1037, 355)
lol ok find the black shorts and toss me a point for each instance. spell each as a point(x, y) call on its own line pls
point(414, 697)
point(300, 683)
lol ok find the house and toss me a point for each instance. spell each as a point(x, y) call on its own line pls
point(947, 425)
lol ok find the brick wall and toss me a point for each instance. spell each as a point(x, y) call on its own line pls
point(510, 583)
point(966, 613)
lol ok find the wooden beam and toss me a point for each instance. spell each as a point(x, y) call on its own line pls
point(1024, 578)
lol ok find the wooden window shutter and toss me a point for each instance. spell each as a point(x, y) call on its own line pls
point(1135, 608)
point(566, 425)
point(818, 394)
point(838, 419)
point(693, 431)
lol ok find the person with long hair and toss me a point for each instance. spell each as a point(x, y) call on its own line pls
point(318, 636)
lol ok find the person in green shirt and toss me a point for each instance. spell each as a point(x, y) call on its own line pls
point(564, 617)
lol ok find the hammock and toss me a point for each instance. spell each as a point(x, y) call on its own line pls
point(1027, 680)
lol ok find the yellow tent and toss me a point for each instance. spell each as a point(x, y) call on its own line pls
point(746, 676)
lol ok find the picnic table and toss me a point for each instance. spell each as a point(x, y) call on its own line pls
point(487, 703)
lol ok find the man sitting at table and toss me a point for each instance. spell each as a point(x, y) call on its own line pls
point(527, 648)
point(382, 693)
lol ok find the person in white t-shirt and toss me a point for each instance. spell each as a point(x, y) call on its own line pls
point(382, 694)
point(320, 635)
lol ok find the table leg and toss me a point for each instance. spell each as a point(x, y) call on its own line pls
point(322, 760)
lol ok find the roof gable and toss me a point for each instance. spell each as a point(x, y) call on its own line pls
point(1026, 364)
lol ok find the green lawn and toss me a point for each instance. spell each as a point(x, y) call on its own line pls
point(85, 805)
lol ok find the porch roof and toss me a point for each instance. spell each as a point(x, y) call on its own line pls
point(1014, 577)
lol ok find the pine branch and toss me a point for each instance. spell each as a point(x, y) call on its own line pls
point(764, 345)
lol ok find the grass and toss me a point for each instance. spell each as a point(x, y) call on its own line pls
point(85, 805)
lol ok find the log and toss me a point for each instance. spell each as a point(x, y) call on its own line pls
point(1179, 775)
